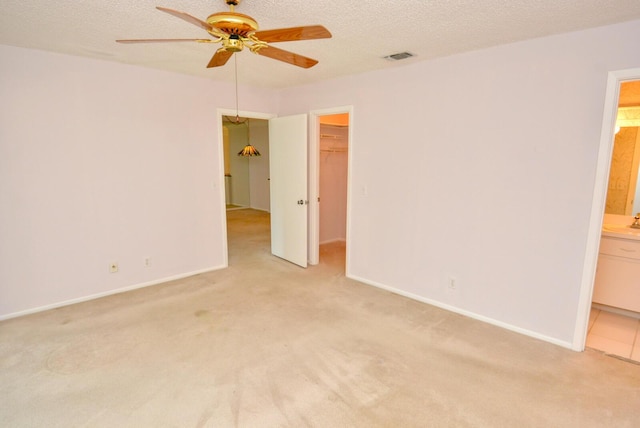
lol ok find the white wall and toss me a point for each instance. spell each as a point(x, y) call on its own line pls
point(103, 162)
point(492, 156)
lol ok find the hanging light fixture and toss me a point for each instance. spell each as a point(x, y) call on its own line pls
point(248, 150)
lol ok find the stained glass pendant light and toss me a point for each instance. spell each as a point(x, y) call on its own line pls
point(248, 150)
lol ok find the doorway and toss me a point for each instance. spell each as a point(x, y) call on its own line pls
point(329, 165)
point(246, 177)
point(313, 234)
point(245, 180)
point(333, 169)
point(615, 310)
point(614, 81)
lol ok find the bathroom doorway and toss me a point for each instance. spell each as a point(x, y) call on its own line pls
point(608, 328)
point(614, 321)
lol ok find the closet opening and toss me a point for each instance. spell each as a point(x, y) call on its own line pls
point(333, 154)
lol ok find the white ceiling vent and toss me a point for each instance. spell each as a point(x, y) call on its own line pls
point(398, 56)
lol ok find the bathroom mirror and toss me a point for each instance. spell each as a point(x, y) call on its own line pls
point(623, 188)
point(623, 193)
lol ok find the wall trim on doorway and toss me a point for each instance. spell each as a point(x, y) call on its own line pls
point(614, 79)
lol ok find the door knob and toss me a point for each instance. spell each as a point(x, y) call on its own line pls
point(300, 202)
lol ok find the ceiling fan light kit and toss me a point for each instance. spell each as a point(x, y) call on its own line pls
point(236, 30)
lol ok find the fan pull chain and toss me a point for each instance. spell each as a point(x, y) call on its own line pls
point(235, 66)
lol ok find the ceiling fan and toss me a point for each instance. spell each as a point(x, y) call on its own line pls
point(236, 30)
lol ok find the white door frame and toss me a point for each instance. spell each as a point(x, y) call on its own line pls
point(221, 191)
point(314, 180)
point(615, 78)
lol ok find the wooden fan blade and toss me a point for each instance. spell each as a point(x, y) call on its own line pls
point(190, 19)
point(165, 40)
point(294, 33)
point(220, 58)
point(286, 56)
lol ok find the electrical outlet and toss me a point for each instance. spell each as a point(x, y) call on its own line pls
point(452, 283)
point(147, 261)
point(113, 267)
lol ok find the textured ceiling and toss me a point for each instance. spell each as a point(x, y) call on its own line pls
point(364, 31)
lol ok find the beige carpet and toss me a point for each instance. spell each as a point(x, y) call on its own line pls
point(267, 344)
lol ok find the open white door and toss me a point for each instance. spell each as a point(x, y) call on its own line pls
point(288, 177)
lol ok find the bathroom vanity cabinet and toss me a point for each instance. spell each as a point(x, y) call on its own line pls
point(618, 275)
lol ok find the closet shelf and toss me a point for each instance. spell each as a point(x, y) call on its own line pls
point(331, 136)
point(334, 150)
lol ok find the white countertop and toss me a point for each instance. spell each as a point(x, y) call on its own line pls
point(620, 231)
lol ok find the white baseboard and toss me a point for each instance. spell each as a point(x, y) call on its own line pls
point(266, 210)
point(106, 293)
point(473, 315)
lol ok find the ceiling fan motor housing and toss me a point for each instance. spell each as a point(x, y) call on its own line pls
point(233, 23)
